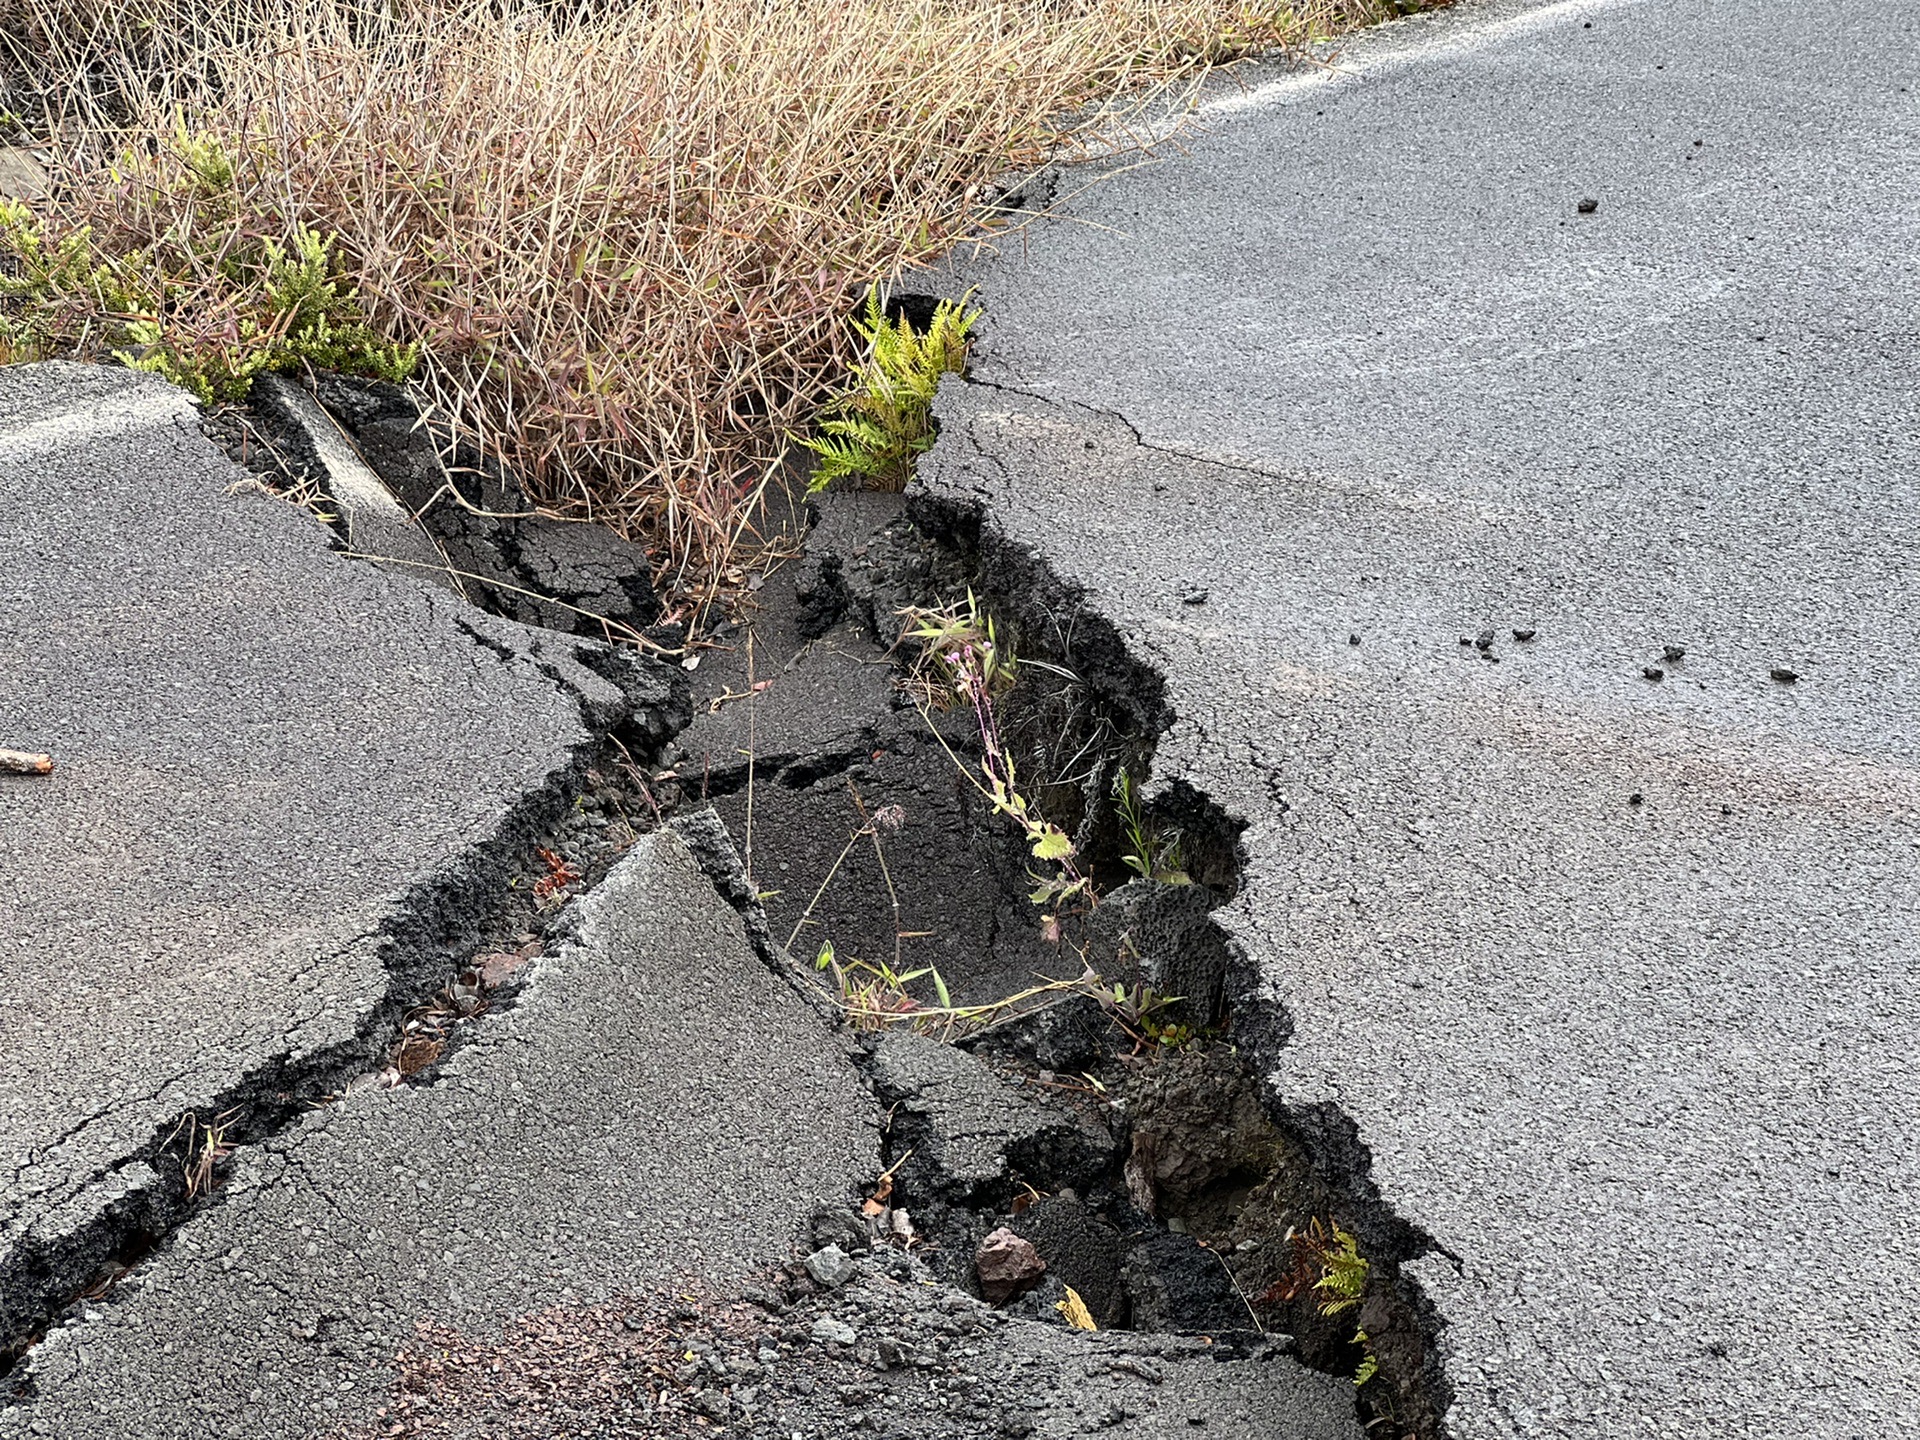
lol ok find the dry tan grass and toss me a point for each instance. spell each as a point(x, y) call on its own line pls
point(623, 237)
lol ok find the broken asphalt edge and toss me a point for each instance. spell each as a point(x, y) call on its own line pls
point(129, 1207)
point(1015, 581)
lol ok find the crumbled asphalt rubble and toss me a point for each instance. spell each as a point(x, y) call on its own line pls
point(881, 1347)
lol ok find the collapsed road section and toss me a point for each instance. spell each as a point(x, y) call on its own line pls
point(621, 1171)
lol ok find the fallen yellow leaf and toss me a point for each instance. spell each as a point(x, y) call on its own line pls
point(1075, 1309)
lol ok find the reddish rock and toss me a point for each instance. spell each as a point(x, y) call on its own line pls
point(1006, 1265)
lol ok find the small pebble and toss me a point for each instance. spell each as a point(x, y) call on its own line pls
point(1653, 672)
point(1484, 640)
point(1676, 652)
point(1636, 798)
point(1523, 634)
point(830, 1265)
point(1588, 206)
point(1353, 639)
point(1784, 676)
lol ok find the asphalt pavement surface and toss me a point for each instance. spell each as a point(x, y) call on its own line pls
point(657, 1114)
point(275, 770)
point(1504, 441)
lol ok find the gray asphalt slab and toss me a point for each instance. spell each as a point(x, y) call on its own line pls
point(266, 753)
point(1612, 973)
point(656, 1111)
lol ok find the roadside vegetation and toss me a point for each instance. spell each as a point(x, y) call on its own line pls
point(612, 244)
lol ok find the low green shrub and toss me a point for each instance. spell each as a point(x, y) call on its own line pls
point(207, 297)
point(876, 428)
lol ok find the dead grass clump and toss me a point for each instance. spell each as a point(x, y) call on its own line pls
point(622, 236)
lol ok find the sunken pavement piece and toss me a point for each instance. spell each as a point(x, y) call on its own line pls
point(657, 1110)
point(282, 779)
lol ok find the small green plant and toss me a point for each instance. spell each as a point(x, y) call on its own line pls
point(208, 302)
point(1342, 1284)
point(1135, 1009)
point(963, 665)
point(1151, 853)
point(876, 428)
point(1343, 1269)
point(1328, 1266)
point(1369, 1365)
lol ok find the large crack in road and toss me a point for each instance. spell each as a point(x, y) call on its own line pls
point(564, 1140)
point(1502, 442)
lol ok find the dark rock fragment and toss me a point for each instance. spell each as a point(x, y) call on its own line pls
point(1082, 1251)
point(1175, 1284)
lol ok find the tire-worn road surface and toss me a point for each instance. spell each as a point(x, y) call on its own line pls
point(1613, 973)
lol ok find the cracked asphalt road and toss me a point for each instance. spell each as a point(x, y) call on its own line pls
point(563, 1156)
point(268, 757)
point(1611, 972)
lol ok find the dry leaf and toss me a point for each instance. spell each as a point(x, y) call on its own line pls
point(1075, 1309)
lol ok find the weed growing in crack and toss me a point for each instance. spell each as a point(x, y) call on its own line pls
point(874, 997)
point(1150, 853)
point(1328, 1263)
point(876, 428)
point(1135, 1009)
point(962, 666)
point(553, 889)
point(208, 1143)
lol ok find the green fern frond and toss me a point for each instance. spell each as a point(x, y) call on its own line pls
point(876, 428)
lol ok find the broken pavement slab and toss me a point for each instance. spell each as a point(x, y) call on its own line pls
point(656, 1113)
point(1611, 981)
point(286, 784)
point(378, 527)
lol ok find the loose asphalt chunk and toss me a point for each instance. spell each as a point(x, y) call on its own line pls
point(281, 780)
point(1640, 1070)
point(656, 1114)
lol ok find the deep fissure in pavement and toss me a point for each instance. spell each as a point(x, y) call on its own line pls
point(1239, 1166)
point(1150, 1171)
point(1162, 1184)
